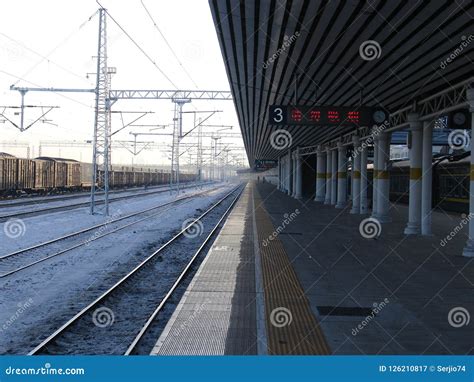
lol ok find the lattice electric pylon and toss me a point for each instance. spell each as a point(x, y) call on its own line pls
point(177, 134)
point(102, 127)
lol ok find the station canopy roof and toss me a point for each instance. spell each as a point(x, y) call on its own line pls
point(267, 43)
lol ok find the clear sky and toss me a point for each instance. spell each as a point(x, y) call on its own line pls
point(52, 43)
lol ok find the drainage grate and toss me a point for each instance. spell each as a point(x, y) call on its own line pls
point(345, 311)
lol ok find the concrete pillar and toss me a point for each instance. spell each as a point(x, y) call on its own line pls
point(293, 174)
point(327, 195)
point(279, 174)
point(355, 175)
point(334, 177)
point(383, 178)
point(426, 180)
point(469, 248)
point(414, 206)
point(341, 176)
point(320, 175)
point(363, 178)
point(299, 174)
point(288, 169)
point(375, 170)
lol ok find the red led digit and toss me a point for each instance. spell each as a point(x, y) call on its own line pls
point(296, 115)
point(353, 116)
point(315, 115)
point(333, 116)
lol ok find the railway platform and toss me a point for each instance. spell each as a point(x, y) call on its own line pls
point(289, 276)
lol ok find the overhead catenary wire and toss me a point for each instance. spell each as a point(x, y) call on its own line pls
point(46, 57)
point(138, 46)
point(168, 44)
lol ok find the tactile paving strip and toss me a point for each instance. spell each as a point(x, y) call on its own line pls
point(217, 313)
point(291, 326)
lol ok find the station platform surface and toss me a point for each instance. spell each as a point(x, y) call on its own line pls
point(289, 276)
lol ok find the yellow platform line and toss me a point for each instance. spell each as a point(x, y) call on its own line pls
point(283, 294)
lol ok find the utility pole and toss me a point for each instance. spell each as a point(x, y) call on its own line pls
point(100, 156)
point(177, 134)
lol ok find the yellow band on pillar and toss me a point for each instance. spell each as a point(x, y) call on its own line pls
point(328, 175)
point(356, 174)
point(341, 174)
point(321, 175)
point(415, 173)
point(375, 172)
point(381, 174)
point(472, 171)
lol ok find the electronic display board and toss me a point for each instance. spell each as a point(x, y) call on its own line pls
point(326, 115)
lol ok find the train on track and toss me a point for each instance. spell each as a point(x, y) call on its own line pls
point(46, 175)
point(450, 178)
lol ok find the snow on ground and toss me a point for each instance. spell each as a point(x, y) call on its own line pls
point(37, 229)
point(12, 208)
point(36, 301)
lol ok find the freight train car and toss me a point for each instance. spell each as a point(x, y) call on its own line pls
point(16, 175)
point(46, 175)
point(450, 176)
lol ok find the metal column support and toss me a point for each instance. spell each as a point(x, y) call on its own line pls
point(375, 192)
point(355, 189)
point(414, 206)
point(279, 174)
point(101, 140)
point(341, 176)
point(327, 199)
point(299, 175)
point(289, 175)
point(333, 177)
point(469, 248)
point(363, 178)
point(320, 175)
point(383, 178)
point(426, 181)
point(292, 172)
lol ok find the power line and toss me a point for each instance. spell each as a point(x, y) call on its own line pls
point(138, 46)
point(168, 44)
point(43, 58)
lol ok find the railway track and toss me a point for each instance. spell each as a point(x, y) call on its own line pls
point(22, 214)
point(20, 260)
point(19, 202)
point(116, 321)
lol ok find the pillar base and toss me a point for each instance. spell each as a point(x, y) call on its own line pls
point(341, 205)
point(385, 218)
point(412, 229)
point(327, 201)
point(355, 210)
point(469, 249)
point(319, 199)
point(298, 196)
